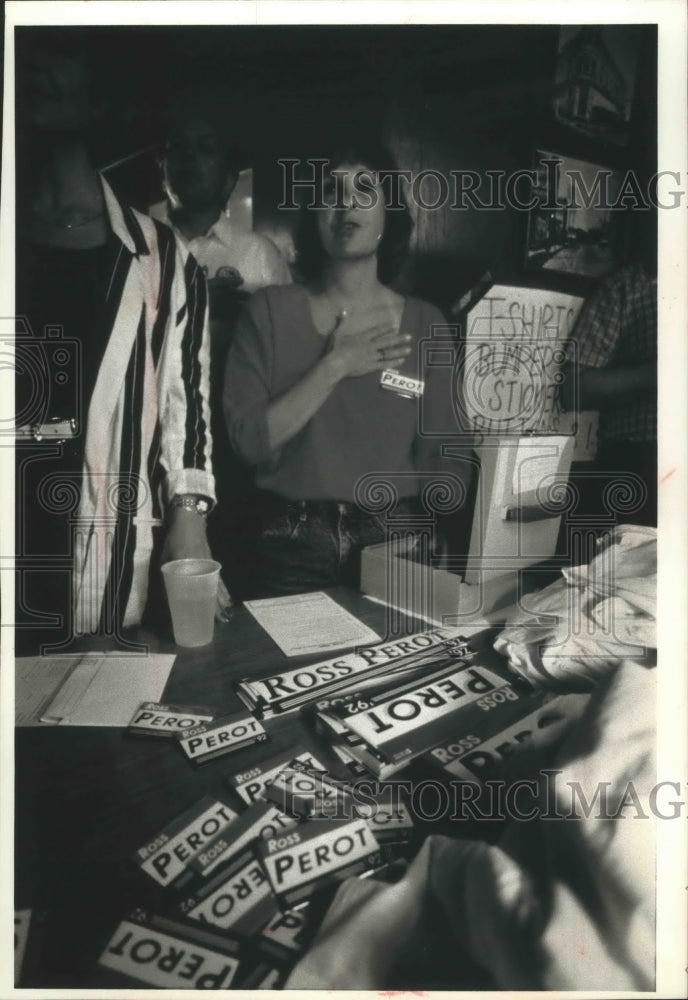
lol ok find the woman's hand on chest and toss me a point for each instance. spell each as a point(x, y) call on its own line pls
point(368, 350)
point(368, 341)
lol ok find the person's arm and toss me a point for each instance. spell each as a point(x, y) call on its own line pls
point(183, 384)
point(186, 445)
point(600, 328)
point(258, 425)
point(605, 388)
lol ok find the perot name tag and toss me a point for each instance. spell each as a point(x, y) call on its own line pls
point(239, 900)
point(160, 953)
point(232, 732)
point(319, 852)
point(155, 719)
point(250, 785)
point(167, 856)
point(412, 388)
point(388, 816)
point(260, 820)
point(302, 791)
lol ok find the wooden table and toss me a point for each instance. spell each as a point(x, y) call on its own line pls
point(87, 798)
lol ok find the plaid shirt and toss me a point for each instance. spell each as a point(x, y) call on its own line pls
point(618, 327)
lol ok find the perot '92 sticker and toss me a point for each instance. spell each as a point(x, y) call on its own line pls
point(469, 756)
point(410, 388)
point(397, 722)
point(224, 735)
point(250, 785)
point(260, 820)
point(300, 685)
point(163, 953)
point(240, 899)
point(166, 856)
point(155, 719)
point(388, 816)
point(302, 791)
point(316, 854)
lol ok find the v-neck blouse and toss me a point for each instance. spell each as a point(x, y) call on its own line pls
point(360, 429)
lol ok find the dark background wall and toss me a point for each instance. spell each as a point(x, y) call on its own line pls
point(448, 97)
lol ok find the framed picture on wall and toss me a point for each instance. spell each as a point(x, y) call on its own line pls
point(595, 79)
point(574, 226)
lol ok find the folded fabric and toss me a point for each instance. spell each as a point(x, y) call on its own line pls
point(605, 613)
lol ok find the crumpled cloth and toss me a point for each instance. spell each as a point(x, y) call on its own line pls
point(565, 903)
point(599, 615)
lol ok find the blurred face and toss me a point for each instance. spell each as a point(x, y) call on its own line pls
point(52, 91)
point(194, 168)
point(352, 228)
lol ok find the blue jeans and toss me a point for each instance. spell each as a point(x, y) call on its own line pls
point(306, 545)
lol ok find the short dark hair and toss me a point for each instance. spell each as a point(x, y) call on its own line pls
point(394, 244)
point(195, 109)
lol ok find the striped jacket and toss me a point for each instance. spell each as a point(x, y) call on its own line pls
point(148, 423)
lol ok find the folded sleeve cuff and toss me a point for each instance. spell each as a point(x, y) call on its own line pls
point(199, 481)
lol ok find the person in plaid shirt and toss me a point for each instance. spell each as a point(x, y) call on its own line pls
point(616, 338)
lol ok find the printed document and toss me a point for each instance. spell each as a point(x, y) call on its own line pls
point(302, 624)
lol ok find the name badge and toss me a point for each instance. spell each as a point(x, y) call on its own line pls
point(224, 735)
point(167, 856)
point(240, 899)
point(250, 785)
point(155, 719)
point(409, 388)
point(317, 854)
point(160, 952)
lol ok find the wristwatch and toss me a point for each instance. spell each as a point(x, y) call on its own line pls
point(193, 502)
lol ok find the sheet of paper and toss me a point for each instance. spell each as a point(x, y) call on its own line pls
point(95, 689)
point(310, 623)
point(107, 690)
point(72, 690)
point(37, 678)
point(537, 458)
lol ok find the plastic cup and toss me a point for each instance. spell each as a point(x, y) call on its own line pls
point(191, 586)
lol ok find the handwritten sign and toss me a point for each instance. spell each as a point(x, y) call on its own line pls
point(517, 343)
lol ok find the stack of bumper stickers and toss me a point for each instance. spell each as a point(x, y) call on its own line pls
point(242, 878)
point(241, 875)
point(301, 686)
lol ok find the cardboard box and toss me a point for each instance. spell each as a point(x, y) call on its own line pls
point(521, 497)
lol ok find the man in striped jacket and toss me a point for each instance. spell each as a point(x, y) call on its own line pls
point(148, 426)
point(116, 475)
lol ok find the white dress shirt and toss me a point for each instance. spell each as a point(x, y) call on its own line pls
point(250, 260)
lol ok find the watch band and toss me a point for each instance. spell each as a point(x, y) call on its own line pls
point(193, 502)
